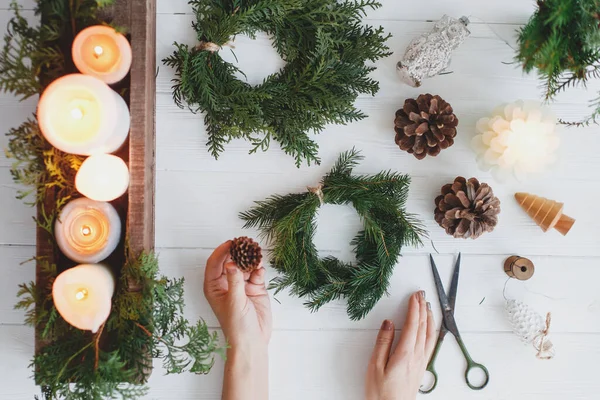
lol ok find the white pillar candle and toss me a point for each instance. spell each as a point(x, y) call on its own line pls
point(83, 295)
point(102, 177)
point(88, 231)
point(102, 52)
point(80, 114)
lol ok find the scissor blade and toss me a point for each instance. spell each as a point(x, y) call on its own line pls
point(454, 284)
point(444, 304)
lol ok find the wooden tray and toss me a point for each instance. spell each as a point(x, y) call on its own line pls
point(136, 207)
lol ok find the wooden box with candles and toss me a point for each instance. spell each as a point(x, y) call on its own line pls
point(102, 109)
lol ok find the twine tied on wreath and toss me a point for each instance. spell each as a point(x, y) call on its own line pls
point(542, 344)
point(212, 47)
point(317, 191)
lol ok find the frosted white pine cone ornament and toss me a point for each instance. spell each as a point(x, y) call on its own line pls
point(530, 327)
point(517, 141)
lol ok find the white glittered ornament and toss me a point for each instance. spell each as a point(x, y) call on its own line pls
point(530, 327)
point(430, 53)
point(517, 141)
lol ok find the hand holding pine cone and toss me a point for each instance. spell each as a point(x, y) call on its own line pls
point(246, 253)
point(467, 209)
point(425, 126)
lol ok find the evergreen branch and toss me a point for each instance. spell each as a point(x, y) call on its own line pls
point(288, 222)
point(325, 47)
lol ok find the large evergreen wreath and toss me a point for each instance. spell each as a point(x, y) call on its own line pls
point(325, 48)
point(289, 223)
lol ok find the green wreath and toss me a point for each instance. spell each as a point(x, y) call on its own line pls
point(325, 48)
point(288, 222)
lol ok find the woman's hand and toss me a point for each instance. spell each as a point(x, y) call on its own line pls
point(241, 303)
point(397, 375)
point(239, 300)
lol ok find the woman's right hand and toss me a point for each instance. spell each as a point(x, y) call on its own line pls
point(397, 374)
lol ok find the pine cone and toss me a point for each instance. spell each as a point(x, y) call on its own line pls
point(425, 126)
point(467, 209)
point(246, 253)
point(530, 327)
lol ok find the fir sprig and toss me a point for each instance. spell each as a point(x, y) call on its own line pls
point(562, 42)
point(288, 222)
point(326, 49)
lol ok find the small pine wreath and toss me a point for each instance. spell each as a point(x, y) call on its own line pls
point(325, 48)
point(288, 222)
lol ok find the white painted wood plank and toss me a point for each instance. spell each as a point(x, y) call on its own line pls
point(200, 210)
point(480, 304)
point(16, 220)
point(14, 273)
point(331, 365)
point(510, 11)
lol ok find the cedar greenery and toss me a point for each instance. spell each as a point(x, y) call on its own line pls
point(562, 41)
point(289, 223)
point(325, 48)
point(146, 320)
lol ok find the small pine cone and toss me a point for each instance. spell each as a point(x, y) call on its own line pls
point(467, 209)
point(425, 126)
point(246, 253)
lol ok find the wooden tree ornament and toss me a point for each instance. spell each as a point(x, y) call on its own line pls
point(546, 213)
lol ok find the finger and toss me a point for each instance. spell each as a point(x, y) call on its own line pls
point(235, 281)
point(257, 277)
point(383, 345)
point(431, 337)
point(422, 330)
point(231, 264)
point(255, 290)
point(216, 261)
point(411, 326)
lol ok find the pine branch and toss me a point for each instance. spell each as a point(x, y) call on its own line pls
point(288, 223)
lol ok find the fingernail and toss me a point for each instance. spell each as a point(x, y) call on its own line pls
point(386, 325)
point(429, 306)
point(230, 270)
point(423, 293)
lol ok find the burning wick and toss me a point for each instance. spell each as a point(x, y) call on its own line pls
point(76, 113)
point(86, 230)
point(98, 51)
point(81, 294)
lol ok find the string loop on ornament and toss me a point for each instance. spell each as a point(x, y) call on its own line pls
point(542, 343)
point(317, 191)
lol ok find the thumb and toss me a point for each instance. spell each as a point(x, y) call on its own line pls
point(235, 279)
point(383, 345)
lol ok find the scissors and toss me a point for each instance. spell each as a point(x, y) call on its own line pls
point(449, 325)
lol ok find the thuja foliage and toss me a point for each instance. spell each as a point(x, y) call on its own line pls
point(146, 320)
point(289, 223)
point(325, 47)
point(562, 42)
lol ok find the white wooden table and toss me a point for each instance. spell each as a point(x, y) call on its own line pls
point(324, 355)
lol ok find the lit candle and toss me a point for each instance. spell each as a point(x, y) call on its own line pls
point(83, 295)
point(517, 141)
point(102, 177)
point(80, 114)
point(102, 52)
point(88, 231)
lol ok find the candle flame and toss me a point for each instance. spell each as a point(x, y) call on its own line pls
point(77, 113)
point(81, 294)
point(98, 51)
point(86, 230)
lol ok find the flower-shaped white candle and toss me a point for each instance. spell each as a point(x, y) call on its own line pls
point(517, 141)
point(102, 52)
point(102, 177)
point(83, 295)
point(80, 114)
point(88, 231)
